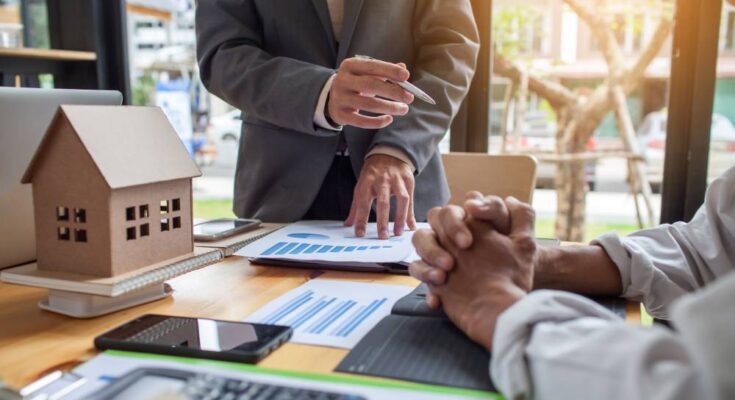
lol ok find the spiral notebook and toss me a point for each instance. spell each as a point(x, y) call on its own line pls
point(30, 275)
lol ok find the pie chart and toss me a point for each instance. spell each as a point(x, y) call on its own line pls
point(307, 236)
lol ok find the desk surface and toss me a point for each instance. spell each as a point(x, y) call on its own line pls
point(34, 342)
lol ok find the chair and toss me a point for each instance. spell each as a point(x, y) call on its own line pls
point(499, 175)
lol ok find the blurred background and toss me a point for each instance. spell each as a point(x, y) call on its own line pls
point(585, 86)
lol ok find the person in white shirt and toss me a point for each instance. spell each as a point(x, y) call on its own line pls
point(481, 263)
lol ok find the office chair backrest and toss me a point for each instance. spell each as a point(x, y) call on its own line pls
point(499, 175)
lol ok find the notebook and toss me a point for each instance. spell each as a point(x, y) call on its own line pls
point(416, 343)
point(232, 244)
point(30, 275)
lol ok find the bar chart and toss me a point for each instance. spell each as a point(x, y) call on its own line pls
point(332, 313)
point(293, 248)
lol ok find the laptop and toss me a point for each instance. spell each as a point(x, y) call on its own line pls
point(25, 114)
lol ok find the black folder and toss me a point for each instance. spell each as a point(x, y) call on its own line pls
point(416, 343)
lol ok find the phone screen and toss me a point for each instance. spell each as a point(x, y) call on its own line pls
point(195, 333)
point(217, 227)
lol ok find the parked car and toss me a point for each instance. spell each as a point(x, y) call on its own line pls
point(652, 140)
point(225, 128)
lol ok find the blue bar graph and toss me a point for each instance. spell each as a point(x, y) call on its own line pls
point(289, 307)
point(282, 248)
point(310, 312)
point(299, 248)
point(358, 318)
point(323, 323)
point(286, 248)
point(273, 248)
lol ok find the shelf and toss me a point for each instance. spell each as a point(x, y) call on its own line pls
point(48, 54)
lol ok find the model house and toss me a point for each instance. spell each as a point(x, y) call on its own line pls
point(111, 190)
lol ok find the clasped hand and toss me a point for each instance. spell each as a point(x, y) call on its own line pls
point(478, 260)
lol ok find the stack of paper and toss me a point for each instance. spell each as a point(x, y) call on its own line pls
point(328, 242)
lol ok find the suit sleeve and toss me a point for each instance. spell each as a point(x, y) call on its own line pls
point(447, 44)
point(233, 65)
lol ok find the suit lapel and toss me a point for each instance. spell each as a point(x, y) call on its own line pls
point(349, 22)
point(322, 11)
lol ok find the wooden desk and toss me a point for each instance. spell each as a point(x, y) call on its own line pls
point(34, 342)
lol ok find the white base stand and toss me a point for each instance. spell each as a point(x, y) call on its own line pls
point(81, 305)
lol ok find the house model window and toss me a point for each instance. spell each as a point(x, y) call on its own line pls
point(170, 211)
point(143, 228)
point(64, 231)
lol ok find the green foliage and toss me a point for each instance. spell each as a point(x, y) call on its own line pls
point(213, 209)
point(143, 90)
point(510, 29)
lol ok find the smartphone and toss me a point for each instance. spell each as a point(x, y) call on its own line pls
point(219, 229)
point(196, 337)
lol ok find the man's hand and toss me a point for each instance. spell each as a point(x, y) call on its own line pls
point(381, 178)
point(490, 275)
point(448, 224)
point(360, 85)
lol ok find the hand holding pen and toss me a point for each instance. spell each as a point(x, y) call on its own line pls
point(364, 84)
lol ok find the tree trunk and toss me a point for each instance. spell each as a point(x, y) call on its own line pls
point(571, 192)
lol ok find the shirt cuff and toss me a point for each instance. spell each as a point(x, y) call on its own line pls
point(393, 152)
point(320, 119)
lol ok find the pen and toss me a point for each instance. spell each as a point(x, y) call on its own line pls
point(408, 86)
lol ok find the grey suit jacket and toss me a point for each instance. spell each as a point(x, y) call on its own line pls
point(271, 58)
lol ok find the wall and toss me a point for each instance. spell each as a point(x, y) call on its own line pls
point(67, 177)
point(158, 245)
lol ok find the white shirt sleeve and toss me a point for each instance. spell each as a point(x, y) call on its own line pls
point(661, 264)
point(556, 345)
point(320, 118)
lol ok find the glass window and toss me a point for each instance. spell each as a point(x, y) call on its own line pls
point(589, 179)
point(722, 134)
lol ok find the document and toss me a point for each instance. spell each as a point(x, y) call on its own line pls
point(331, 241)
point(331, 313)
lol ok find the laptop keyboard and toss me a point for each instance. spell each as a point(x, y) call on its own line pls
point(209, 387)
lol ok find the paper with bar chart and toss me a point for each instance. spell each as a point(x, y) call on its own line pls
point(331, 313)
point(330, 241)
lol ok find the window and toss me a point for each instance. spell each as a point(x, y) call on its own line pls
point(143, 226)
point(130, 233)
point(170, 218)
point(144, 230)
point(76, 224)
point(80, 235)
point(80, 215)
point(62, 214)
point(63, 233)
point(130, 214)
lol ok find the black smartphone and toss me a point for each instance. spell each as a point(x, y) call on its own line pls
point(196, 337)
point(219, 229)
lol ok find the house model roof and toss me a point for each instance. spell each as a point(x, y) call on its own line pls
point(129, 145)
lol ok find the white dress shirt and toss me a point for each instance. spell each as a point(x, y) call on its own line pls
point(336, 14)
point(559, 345)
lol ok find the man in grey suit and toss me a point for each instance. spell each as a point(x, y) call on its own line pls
point(324, 143)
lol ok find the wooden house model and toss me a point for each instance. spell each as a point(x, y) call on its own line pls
point(111, 191)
